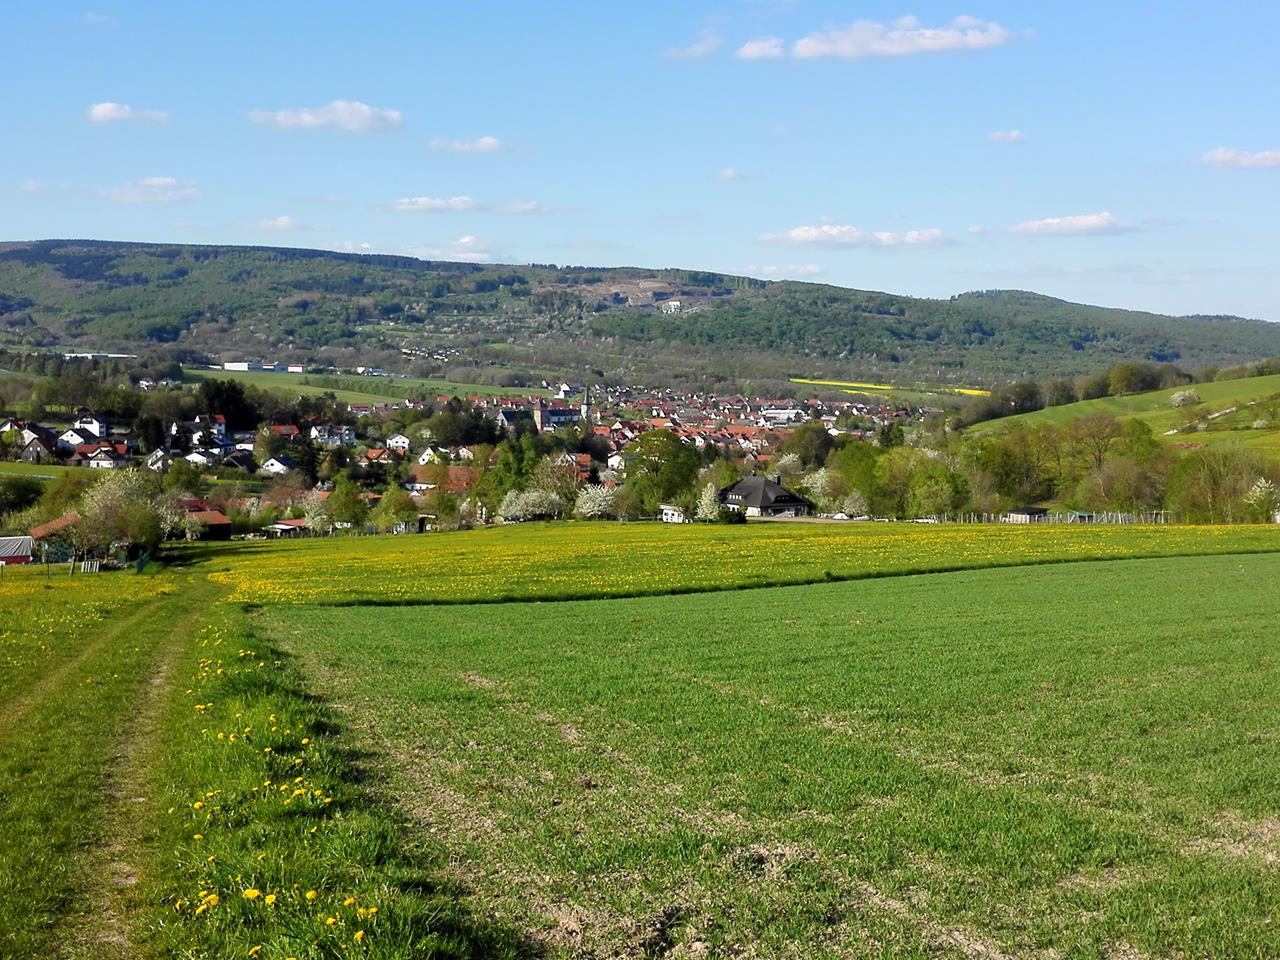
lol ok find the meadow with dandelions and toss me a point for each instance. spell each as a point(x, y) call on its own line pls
point(584, 561)
point(1057, 744)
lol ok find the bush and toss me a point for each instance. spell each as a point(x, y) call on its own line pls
point(1185, 398)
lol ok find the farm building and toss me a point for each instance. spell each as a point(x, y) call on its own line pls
point(764, 497)
point(1025, 515)
point(16, 549)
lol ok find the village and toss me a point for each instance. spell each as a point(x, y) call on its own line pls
point(287, 479)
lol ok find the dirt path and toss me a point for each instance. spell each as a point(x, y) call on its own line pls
point(100, 930)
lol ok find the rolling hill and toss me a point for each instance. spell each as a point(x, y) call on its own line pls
point(1244, 411)
point(431, 317)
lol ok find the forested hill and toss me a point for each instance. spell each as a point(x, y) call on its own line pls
point(228, 302)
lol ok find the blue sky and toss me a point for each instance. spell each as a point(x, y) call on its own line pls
point(1125, 154)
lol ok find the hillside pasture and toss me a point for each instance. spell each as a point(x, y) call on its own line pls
point(1227, 408)
point(1046, 762)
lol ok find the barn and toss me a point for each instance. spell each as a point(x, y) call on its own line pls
point(16, 549)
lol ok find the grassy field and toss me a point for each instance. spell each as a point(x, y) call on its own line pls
point(576, 560)
point(1032, 762)
point(1254, 398)
point(41, 471)
point(1057, 760)
point(355, 389)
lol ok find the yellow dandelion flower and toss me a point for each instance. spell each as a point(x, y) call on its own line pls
point(359, 936)
point(311, 894)
point(349, 901)
point(269, 899)
point(253, 893)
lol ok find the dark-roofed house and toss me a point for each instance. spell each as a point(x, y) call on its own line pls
point(763, 497)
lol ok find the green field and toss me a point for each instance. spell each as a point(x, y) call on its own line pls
point(1063, 752)
point(927, 766)
point(1254, 398)
point(356, 389)
point(42, 471)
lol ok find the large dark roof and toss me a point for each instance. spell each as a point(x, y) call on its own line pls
point(761, 492)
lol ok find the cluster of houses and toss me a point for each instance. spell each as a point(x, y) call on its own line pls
point(750, 427)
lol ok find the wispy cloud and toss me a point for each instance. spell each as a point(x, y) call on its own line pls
point(706, 44)
point(1226, 157)
point(110, 112)
point(524, 206)
point(282, 224)
point(31, 186)
point(96, 19)
point(154, 190)
point(467, 249)
point(800, 270)
point(1085, 224)
point(433, 204)
point(350, 246)
point(478, 145)
point(762, 48)
point(1007, 136)
point(350, 115)
point(901, 38)
point(730, 173)
point(844, 235)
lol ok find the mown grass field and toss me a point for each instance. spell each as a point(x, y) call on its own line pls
point(41, 471)
point(1069, 759)
point(1040, 762)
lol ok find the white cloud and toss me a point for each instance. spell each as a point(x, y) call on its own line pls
point(762, 48)
point(350, 246)
point(800, 270)
point(1007, 136)
point(479, 145)
point(154, 190)
point(30, 186)
point(524, 206)
point(351, 115)
point(730, 173)
point(110, 112)
point(1081, 225)
point(843, 235)
point(1226, 157)
point(282, 224)
point(706, 44)
point(903, 37)
point(466, 249)
point(433, 204)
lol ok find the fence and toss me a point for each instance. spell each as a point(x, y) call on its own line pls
point(1108, 517)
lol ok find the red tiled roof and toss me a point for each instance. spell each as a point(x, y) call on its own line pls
point(53, 526)
point(210, 518)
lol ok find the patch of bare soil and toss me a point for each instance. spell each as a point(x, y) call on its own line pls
point(1257, 840)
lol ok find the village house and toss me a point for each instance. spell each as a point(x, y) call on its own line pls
point(764, 497)
point(277, 465)
point(38, 451)
point(333, 435)
point(399, 443)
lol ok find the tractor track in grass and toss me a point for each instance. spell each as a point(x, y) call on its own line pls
point(109, 866)
point(52, 683)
